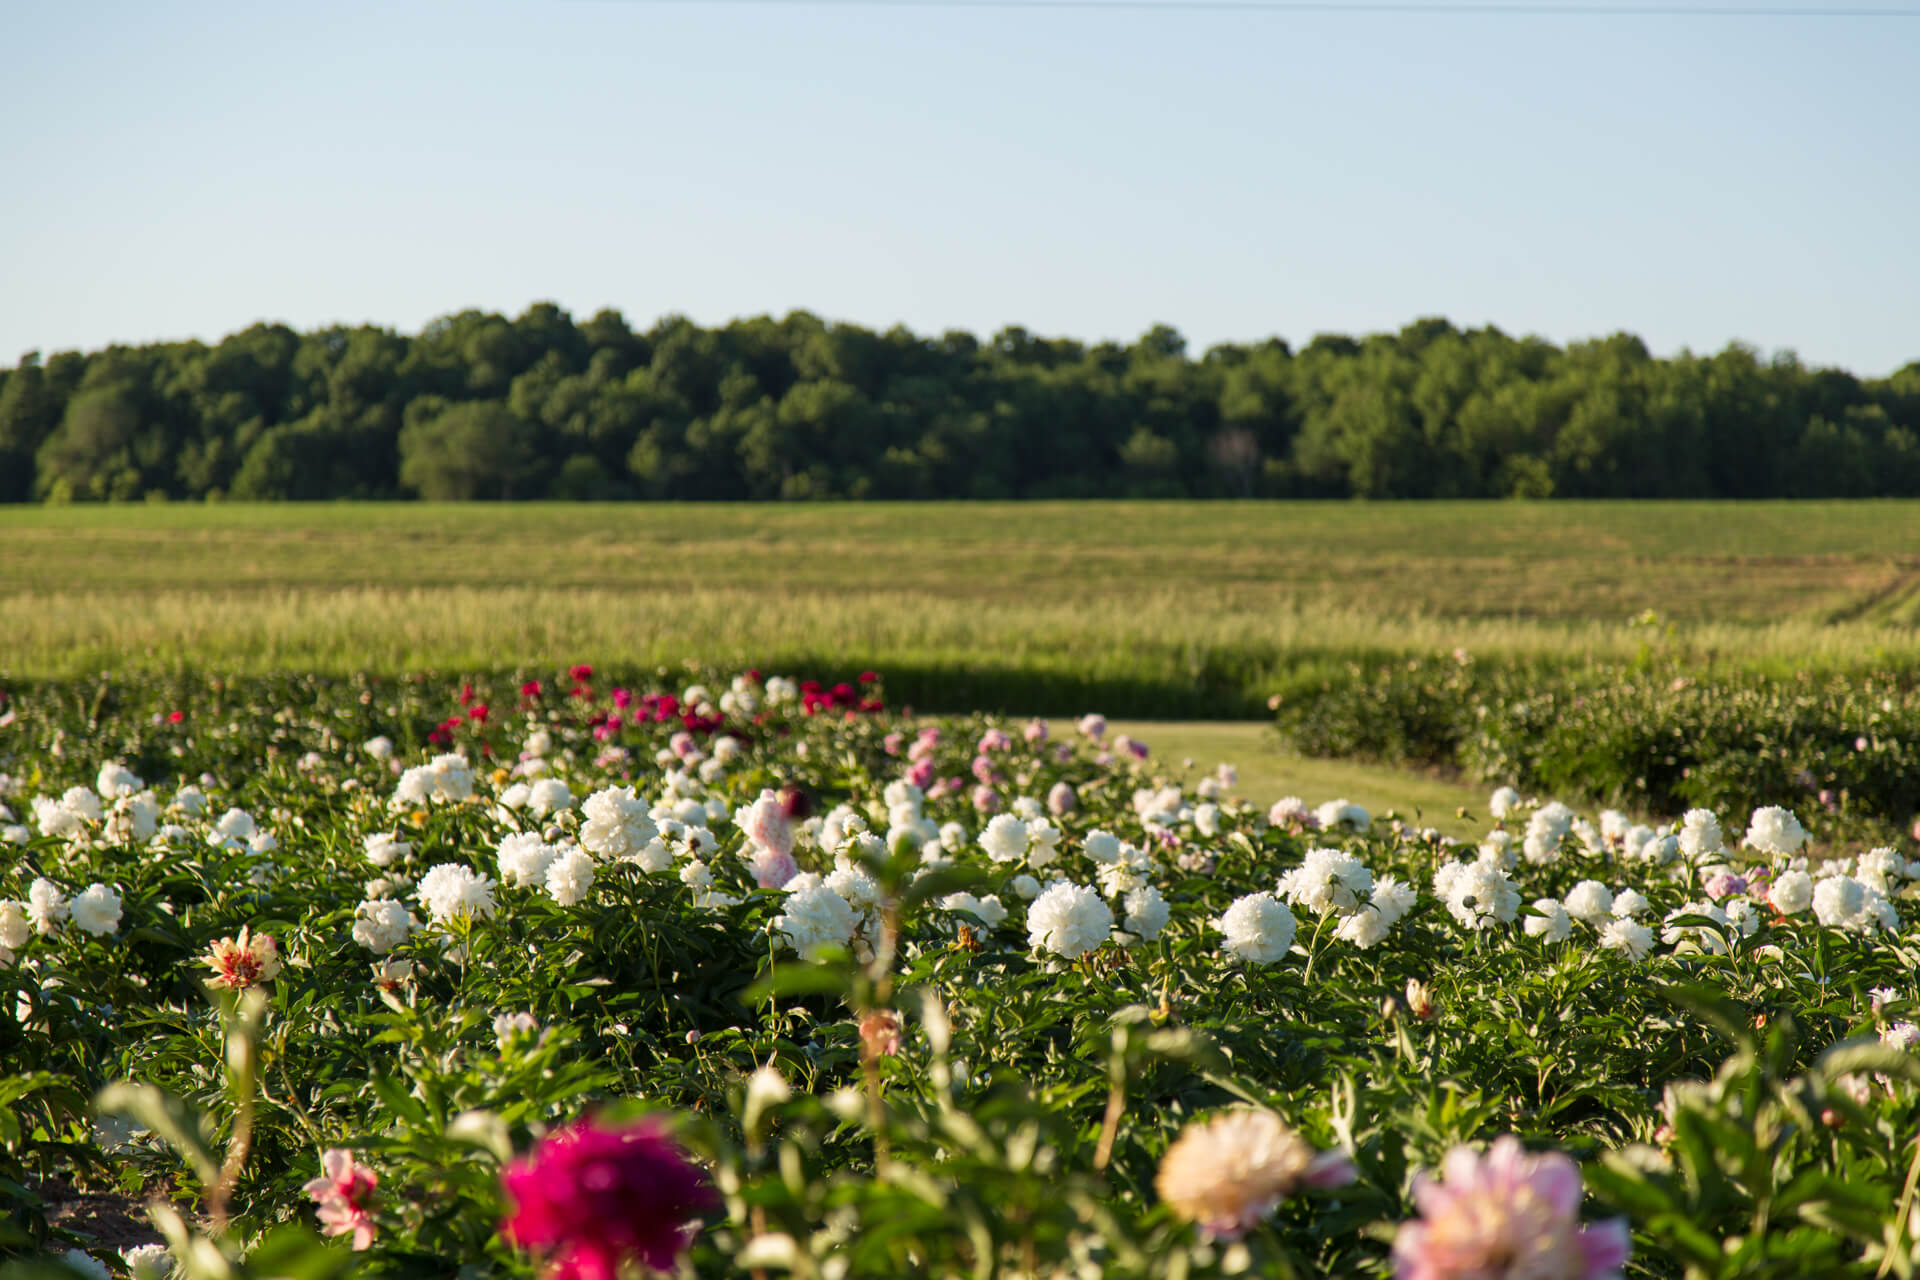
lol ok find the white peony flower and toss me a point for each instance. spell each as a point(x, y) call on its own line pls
point(95, 910)
point(1590, 901)
point(1553, 923)
point(524, 858)
point(451, 890)
point(1700, 836)
point(1258, 927)
point(814, 918)
point(1147, 913)
point(1342, 813)
point(384, 850)
point(1068, 920)
point(1629, 937)
point(1775, 831)
point(1479, 895)
point(1327, 880)
point(1005, 838)
point(381, 924)
point(15, 928)
point(46, 906)
point(570, 876)
point(1503, 802)
point(1840, 902)
point(1393, 898)
point(1629, 903)
point(1791, 892)
point(549, 795)
point(1699, 936)
point(617, 824)
point(1102, 846)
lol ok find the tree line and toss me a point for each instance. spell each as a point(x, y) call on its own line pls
point(479, 405)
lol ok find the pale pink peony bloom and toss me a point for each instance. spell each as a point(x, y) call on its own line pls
point(1506, 1214)
point(247, 961)
point(1230, 1170)
point(772, 868)
point(343, 1192)
point(1037, 731)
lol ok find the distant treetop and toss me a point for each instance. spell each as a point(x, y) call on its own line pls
point(479, 405)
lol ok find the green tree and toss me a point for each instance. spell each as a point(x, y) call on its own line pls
point(475, 450)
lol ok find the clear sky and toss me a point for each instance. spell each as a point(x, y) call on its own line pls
point(182, 170)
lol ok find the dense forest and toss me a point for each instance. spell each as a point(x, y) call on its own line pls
point(539, 406)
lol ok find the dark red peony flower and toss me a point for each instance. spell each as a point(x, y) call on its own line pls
point(596, 1196)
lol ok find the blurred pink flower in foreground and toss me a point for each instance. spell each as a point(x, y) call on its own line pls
point(1506, 1214)
point(342, 1194)
point(597, 1196)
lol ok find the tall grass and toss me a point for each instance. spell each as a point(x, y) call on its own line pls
point(1151, 651)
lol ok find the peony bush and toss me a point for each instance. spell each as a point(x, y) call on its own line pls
point(734, 974)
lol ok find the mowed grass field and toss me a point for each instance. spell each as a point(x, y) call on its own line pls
point(1155, 609)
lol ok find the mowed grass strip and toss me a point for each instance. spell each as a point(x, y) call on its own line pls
point(1268, 773)
point(1565, 561)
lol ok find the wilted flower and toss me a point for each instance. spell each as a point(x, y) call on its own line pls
point(1229, 1171)
point(880, 1033)
point(597, 1196)
point(1506, 1214)
point(245, 961)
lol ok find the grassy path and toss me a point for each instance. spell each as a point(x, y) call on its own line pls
point(1267, 772)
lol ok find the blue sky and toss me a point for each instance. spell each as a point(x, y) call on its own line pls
point(184, 170)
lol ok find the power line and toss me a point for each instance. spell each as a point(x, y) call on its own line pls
point(1399, 7)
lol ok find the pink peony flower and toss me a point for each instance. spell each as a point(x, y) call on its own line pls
point(892, 743)
point(767, 825)
point(1724, 884)
point(1503, 1214)
point(772, 868)
point(985, 799)
point(1093, 725)
point(921, 773)
point(1037, 731)
point(597, 1196)
point(251, 959)
point(343, 1192)
point(993, 740)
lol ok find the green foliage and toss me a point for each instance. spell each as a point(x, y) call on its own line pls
point(951, 1099)
point(797, 407)
point(1653, 737)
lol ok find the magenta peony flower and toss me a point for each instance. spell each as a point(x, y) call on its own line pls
point(597, 1196)
point(1506, 1214)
